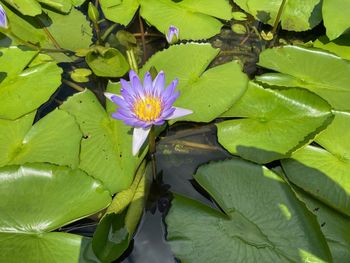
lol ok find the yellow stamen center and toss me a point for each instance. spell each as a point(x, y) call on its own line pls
point(148, 109)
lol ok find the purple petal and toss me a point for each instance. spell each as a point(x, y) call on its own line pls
point(172, 35)
point(167, 112)
point(147, 82)
point(159, 122)
point(170, 101)
point(137, 87)
point(169, 90)
point(3, 18)
point(139, 137)
point(126, 112)
point(158, 84)
point(179, 112)
point(125, 84)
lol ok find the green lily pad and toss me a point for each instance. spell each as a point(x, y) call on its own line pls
point(119, 11)
point(122, 218)
point(25, 89)
point(198, 87)
point(268, 117)
point(195, 19)
point(43, 198)
point(263, 220)
point(334, 226)
point(54, 139)
point(297, 15)
point(51, 247)
point(107, 62)
point(336, 17)
point(26, 7)
point(106, 146)
point(321, 72)
point(46, 31)
point(324, 172)
point(33, 7)
point(81, 75)
point(339, 46)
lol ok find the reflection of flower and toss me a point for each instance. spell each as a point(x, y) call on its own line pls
point(173, 35)
point(142, 106)
point(3, 18)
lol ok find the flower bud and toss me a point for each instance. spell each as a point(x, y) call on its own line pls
point(93, 13)
point(173, 35)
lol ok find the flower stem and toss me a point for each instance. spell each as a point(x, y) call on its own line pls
point(152, 151)
point(132, 60)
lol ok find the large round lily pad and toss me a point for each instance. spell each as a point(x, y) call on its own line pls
point(263, 221)
point(25, 89)
point(318, 71)
point(324, 173)
point(272, 123)
point(39, 197)
point(195, 19)
point(53, 139)
point(106, 145)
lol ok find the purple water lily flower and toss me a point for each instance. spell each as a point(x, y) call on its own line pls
point(173, 35)
point(3, 18)
point(142, 106)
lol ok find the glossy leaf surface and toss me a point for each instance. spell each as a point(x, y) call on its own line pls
point(263, 220)
point(53, 139)
point(321, 72)
point(267, 118)
point(106, 146)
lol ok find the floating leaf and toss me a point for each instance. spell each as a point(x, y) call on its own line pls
point(239, 29)
point(119, 11)
point(335, 227)
point(336, 17)
point(339, 46)
point(187, 63)
point(54, 139)
point(195, 19)
point(34, 208)
point(321, 72)
point(81, 74)
point(52, 247)
point(107, 62)
point(268, 117)
point(24, 90)
point(263, 220)
point(44, 197)
point(106, 146)
point(297, 15)
point(46, 31)
point(324, 172)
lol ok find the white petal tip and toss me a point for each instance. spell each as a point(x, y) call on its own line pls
point(138, 139)
point(109, 95)
point(180, 112)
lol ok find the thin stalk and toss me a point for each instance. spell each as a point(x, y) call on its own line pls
point(108, 31)
point(278, 17)
point(143, 38)
point(132, 60)
point(152, 151)
point(72, 85)
point(97, 27)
